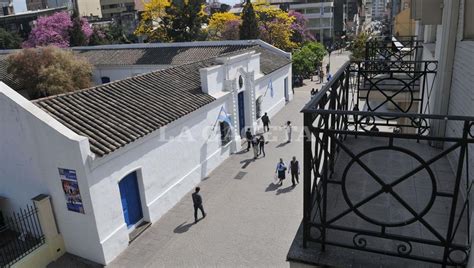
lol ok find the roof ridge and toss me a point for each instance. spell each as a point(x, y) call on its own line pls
point(119, 81)
point(139, 75)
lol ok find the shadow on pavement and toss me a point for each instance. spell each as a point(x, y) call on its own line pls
point(182, 228)
point(272, 187)
point(282, 144)
point(284, 190)
point(247, 162)
point(243, 151)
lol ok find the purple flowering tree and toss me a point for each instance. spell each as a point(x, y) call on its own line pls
point(55, 30)
point(299, 26)
point(231, 30)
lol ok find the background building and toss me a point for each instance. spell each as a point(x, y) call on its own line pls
point(111, 8)
point(378, 9)
point(89, 8)
point(36, 4)
point(320, 15)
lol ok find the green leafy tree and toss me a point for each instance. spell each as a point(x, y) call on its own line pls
point(319, 52)
point(249, 27)
point(303, 61)
point(358, 46)
point(49, 71)
point(9, 40)
point(184, 20)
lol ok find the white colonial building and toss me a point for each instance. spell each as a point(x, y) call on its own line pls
point(121, 154)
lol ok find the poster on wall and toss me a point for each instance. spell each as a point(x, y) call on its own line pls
point(71, 190)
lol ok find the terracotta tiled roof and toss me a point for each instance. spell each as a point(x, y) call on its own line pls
point(118, 113)
point(156, 55)
point(269, 61)
point(115, 114)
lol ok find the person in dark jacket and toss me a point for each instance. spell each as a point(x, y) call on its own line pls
point(197, 202)
point(266, 122)
point(295, 170)
point(248, 136)
point(261, 145)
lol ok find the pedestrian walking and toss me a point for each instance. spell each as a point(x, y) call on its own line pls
point(329, 77)
point(266, 122)
point(321, 76)
point(197, 202)
point(328, 68)
point(295, 170)
point(261, 145)
point(288, 130)
point(280, 171)
point(248, 136)
point(255, 146)
point(313, 92)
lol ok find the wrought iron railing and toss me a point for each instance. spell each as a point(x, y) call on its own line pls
point(333, 123)
point(20, 234)
point(386, 48)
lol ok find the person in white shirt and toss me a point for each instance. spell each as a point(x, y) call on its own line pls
point(288, 130)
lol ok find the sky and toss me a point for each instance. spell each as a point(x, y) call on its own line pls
point(19, 5)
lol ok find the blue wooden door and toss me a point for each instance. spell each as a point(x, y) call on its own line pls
point(130, 196)
point(240, 98)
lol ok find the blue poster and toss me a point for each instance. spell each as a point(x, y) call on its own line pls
point(71, 190)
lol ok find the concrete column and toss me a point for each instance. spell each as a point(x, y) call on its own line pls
point(53, 239)
point(442, 88)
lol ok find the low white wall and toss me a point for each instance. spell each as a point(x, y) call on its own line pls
point(121, 72)
point(33, 146)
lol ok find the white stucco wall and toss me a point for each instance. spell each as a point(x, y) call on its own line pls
point(273, 104)
point(169, 162)
point(33, 146)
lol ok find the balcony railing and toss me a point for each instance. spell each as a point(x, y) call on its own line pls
point(372, 182)
point(401, 48)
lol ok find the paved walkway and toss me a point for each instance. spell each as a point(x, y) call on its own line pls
point(250, 222)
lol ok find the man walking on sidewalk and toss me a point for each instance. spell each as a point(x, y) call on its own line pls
point(248, 136)
point(295, 170)
point(266, 122)
point(197, 201)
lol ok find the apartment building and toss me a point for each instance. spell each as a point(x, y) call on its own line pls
point(320, 15)
point(111, 8)
point(378, 9)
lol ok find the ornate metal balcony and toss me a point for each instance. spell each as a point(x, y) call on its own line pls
point(402, 48)
point(376, 192)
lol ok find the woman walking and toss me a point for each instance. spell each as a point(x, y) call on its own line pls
point(288, 130)
point(280, 171)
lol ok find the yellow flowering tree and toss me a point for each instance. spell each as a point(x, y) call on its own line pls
point(275, 26)
point(154, 12)
point(223, 26)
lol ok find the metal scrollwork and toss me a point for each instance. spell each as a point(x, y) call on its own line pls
point(420, 123)
point(405, 248)
point(366, 122)
point(359, 241)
